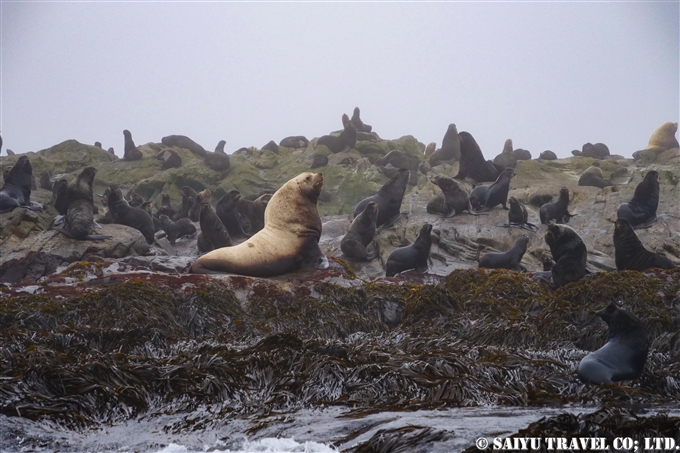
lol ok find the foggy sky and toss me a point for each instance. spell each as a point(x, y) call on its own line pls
point(548, 75)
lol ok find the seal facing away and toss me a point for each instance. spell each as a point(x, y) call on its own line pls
point(557, 210)
point(592, 176)
point(483, 198)
point(641, 210)
point(288, 241)
point(130, 150)
point(413, 256)
point(361, 232)
point(629, 252)
point(623, 356)
point(453, 200)
point(519, 216)
point(16, 190)
point(124, 214)
point(389, 199)
point(450, 150)
point(509, 259)
point(569, 253)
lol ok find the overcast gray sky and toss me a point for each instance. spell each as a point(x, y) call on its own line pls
point(548, 75)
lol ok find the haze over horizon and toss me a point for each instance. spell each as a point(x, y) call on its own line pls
point(547, 75)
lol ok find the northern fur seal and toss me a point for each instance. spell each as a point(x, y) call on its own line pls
point(169, 159)
point(195, 210)
point(166, 207)
point(359, 125)
point(296, 141)
point(509, 259)
point(220, 147)
point(413, 256)
point(188, 197)
point(124, 214)
point(472, 162)
point(288, 241)
point(389, 198)
point(641, 210)
point(319, 160)
point(518, 215)
point(453, 200)
point(664, 137)
point(214, 234)
point(483, 198)
point(16, 189)
point(252, 212)
point(623, 356)
point(360, 234)
point(547, 155)
point(343, 142)
point(450, 150)
point(569, 253)
point(506, 158)
point(59, 193)
point(629, 252)
point(271, 146)
point(131, 152)
point(399, 159)
point(596, 151)
point(227, 210)
point(429, 149)
point(217, 161)
point(182, 141)
point(557, 210)
point(175, 230)
point(592, 176)
point(45, 181)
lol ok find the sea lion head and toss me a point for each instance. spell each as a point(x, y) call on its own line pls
point(310, 184)
point(513, 201)
point(622, 323)
point(564, 194)
point(127, 134)
point(425, 231)
point(345, 120)
point(372, 210)
point(206, 196)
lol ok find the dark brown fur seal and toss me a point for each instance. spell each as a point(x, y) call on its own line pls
point(220, 147)
point(112, 151)
point(131, 153)
point(453, 200)
point(188, 197)
point(472, 162)
point(389, 198)
point(360, 234)
point(518, 215)
point(252, 212)
point(399, 159)
point(506, 158)
point(641, 210)
point(166, 207)
point(195, 210)
point(289, 240)
point(509, 259)
point(343, 142)
point(214, 234)
point(450, 150)
point(596, 151)
point(45, 181)
point(297, 141)
point(124, 214)
point(319, 160)
point(10, 152)
point(414, 256)
point(16, 189)
point(98, 145)
point(134, 199)
point(558, 210)
point(59, 193)
point(483, 198)
point(359, 125)
point(175, 230)
point(624, 355)
point(629, 252)
point(569, 253)
point(592, 177)
point(271, 146)
point(182, 141)
point(169, 159)
point(547, 155)
point(217, 161)
point(227, 210)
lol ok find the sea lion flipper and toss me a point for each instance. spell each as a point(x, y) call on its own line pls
point(319, 262)
point(58, 220)
point(35, 206)
point(422, 269)
point(96, 225)
point(98, 237)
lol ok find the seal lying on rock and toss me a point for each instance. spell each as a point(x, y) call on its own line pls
point(288, 241)
point(453, 200)
point(596, 151)
point(182, 141)
point(414, 256)
point(629, 252)
point(360, 234)
point(16, 190)
point(509, 259)
point(483, 198)
point(389, 198)
point(175, 230)
point(592, 176)
point(547, 155)
point(569, 253)
point(557, 210)
point(623, 356)
point(641, 210)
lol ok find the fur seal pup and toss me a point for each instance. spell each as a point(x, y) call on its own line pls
point(641, 210)
point(547, 155)
point(182, 141)
point(169, 159)
point(629, 252)
point(288, 241)
point(450, 150)
point(188, 197)
point(389, 198)
point(227, 210)
point(220, 147)
point(166, 206)
point(252, 212)
point(175, 230)
point(16, 189)
point(557, 210)
point(297, 141)
point(483, 198)
point(623, 356)
point(124, 214)
point(131, 152)
point(319, 160)
point(569, 253)
point(509, 259)
point(343, 142)
point(360, 234)
point(214, 234)
point(518, 215)
point(413, 256)
point(664, 137)
point(453, 200)
point(472, 162)
point(359, 125)
point(592, 176)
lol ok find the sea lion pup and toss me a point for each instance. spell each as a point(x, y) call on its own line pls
point(79, 203)
point(509, 259)
point(450, 150)
point(182, 141)
point(131, 152)
point(360, 234)
point(359, 125)
point(664, 137)
point(472, 162)
point(227, 210)
point(220, 147)
point(592, 176)
point(124, 214)
point(169, 159)
point(175, 230)
point(344, 142)
point(569, 253)
point(288, 241)
point(413, 256)
point(629, 252)
point(252, 212)
point(16, 189)
point(557, 210)
point(453, 200)
point(45, 181)
point(641, 210)
point(483, 198)
point(518, 215)
point(389, 199)
point(547, 155)
point(297, 141)
point(623, 356)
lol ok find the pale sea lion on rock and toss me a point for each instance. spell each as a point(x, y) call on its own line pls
point(592, 177)
point(450, 150)
point(16, 189)
point(630, 254)
point(359, 125)
point(483, 198)
point(664, 137)
point(414, 256)
point(557, 210)
point(509, 259)
point(389, 198)
point(624, 355)
point(182, 141)
point(175, 230)
point(568, 251)
point(288, 241)
point(453, 200)
point(227, 210)
point(360, 234)
point(472, 162)
point(131, 153)
point(641, 210)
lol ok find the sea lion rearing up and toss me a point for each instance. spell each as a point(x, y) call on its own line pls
point(359, 125)
point(629, 252)
point(288, 241)
point(624, 355)
point(389, 198)
point(472, 162)
point(16, 190)
point(345, 141)
point(569, 253)
point(509, 259)
point(641, 210)
point(413, 256)
point(483, 198)
point(130, 150)
point(557, 210)
point(360, 234)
